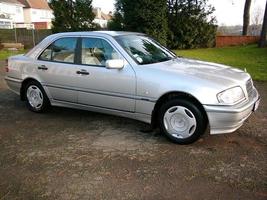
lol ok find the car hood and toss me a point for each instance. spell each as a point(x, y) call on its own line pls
point(211, 72)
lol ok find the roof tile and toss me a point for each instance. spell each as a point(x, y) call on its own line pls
point(38, 4)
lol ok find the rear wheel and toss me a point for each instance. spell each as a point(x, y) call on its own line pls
point(36, 98)
point(182, 121)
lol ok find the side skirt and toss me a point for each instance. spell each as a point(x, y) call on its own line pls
point(137, 116)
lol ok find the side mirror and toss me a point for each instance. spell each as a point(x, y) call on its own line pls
point(115, 64)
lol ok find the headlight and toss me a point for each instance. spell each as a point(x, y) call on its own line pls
point(231, 96)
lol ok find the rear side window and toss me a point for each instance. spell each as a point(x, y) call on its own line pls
point(47, 53)
point(62, 50)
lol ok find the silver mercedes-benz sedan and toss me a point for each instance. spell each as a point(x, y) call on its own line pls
point(132, 75)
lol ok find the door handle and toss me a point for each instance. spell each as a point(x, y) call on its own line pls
point(42, 67)
point(83, 72)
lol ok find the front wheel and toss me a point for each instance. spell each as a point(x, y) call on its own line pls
point(182, 121)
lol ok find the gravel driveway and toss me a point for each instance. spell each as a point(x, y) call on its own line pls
point(72, 154)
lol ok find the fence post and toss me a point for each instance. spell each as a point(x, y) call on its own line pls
point(33, 37)
point(16, 39)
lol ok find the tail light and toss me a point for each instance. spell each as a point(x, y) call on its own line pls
point(6, 65)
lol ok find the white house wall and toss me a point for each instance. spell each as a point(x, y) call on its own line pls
point(103, 23)
point(27, 15)
point(37, 15)
point(14, 11)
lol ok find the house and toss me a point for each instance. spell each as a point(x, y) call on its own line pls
point(38, 13)
point(11, 12)
point(101, 18)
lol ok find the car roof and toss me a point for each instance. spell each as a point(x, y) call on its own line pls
point(95, 33)
point(117, 33)
point(78, 34)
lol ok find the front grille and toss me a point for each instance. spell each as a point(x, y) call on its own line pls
point(249, 87)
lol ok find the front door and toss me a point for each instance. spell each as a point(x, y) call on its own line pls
point(102, 87)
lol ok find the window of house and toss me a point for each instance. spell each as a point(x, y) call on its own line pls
point(18, 10)
point(97, 51)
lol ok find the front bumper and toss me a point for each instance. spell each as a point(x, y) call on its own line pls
point(227, 119)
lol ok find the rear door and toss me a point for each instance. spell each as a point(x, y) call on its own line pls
point(57, 69)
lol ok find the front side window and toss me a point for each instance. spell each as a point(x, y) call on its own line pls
point(144, 50)
point(97, 51)
point(62, 50)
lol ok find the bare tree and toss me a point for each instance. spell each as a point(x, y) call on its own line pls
point(246, 17)
point(257, 16)
point(256, 21)
point(262, 42)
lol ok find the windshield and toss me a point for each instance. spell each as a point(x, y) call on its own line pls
point(144, 50)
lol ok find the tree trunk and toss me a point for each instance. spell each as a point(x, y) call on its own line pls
point(246, 17)
point(262, 42)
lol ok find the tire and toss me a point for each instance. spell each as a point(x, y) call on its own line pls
point(36, 98)
point(181, 121)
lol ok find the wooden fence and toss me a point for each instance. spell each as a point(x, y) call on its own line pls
point(27, 37)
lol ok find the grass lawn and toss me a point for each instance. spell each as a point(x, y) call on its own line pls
point(250, 57)
point(4, 54)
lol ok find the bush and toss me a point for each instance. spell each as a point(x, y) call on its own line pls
point(190, 24)
point(146, 16)
point(175, 23)
point(72, 15)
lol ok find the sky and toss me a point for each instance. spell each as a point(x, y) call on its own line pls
point(228, 12)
